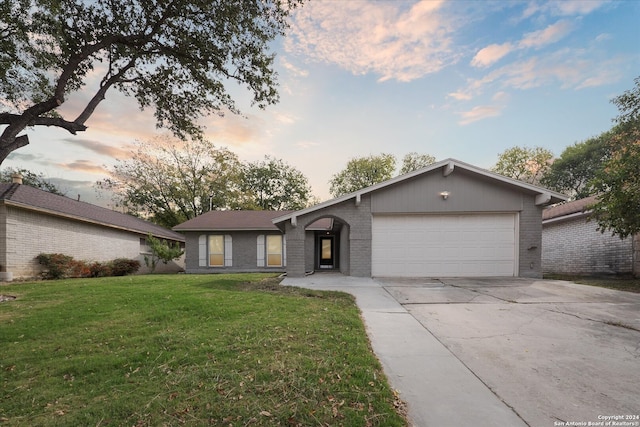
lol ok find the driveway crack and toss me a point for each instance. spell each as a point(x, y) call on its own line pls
point(605, 322)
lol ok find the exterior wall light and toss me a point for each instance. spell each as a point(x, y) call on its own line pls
point(445, 194)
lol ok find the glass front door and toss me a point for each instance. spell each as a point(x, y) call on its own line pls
point(326, 252)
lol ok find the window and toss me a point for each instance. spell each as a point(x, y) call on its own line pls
point(216, 251)
point(274, 251)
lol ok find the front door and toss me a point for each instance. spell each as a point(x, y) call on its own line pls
point(326, 252)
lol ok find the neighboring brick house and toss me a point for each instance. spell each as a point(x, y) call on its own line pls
point(33, 221)
point(572, 244)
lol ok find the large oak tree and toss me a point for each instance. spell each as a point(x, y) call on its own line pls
point(170, 181)
point(617, 183)
point(175, 56)
point(573, 171)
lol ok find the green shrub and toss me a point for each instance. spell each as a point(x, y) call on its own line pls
point(56, 266)
point(124, 266)
point(99, 269)
point(60, 266)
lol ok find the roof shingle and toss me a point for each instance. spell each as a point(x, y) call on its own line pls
point(35, 199)
point(568, 208)
point(232, 220)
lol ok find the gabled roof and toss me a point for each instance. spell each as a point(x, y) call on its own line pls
point(27, 197)
point(569, 209)
point(543, 195)
point(232, 221)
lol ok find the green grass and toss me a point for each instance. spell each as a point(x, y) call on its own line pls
point(619, 283)
point(227, 350)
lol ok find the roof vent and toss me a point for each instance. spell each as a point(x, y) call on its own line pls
point(16, 178)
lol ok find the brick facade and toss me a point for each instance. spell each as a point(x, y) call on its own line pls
point(355, 239)
point(530, 239)
point(575, 246)
point(244, 253)
point(26, 233)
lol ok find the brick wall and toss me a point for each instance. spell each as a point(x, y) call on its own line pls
point(30, 233)
point(244, 250)
point(575, 246)
point(530, 251)
point(355, 239)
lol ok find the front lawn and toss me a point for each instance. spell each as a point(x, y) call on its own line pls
point(224, 350)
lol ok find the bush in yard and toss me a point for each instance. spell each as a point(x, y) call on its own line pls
point(57, 266)
point(78, 268)
point(161, 250)
point(60, 266)
point(99, 269)
point(124, 266)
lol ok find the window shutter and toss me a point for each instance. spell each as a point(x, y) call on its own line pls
point(284, 251)
point(202, 250)
point(228, 252)
point(260, 251)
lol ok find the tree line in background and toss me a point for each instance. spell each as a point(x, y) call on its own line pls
point(170, 181)
point(606, 166)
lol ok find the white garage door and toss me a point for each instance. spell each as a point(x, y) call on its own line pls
point(444, 245)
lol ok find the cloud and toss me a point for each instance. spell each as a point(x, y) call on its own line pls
point(576, 7)
point(283, 118)
point(568, 68)
point(479, 113)
point(501, 97)
point(461, 95)
point(86, 166)
point(233, 129)
point(491, 54)
point(297, 72)
point(19, 157)
point(536, 39)
point(307, 144)
point(551, 34)
point(564, 7)
point(101, 148)
point(383, 38)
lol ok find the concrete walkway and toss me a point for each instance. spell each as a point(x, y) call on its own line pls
point(438, 388)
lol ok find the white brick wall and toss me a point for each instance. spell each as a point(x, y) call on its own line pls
point(30, 233)
point(575, 246)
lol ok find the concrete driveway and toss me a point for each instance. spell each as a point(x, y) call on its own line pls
point(486, 352)
point(554, 351)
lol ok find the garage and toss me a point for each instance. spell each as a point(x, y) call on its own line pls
point(464, 245)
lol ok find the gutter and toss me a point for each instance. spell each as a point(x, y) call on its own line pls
point(566, 217)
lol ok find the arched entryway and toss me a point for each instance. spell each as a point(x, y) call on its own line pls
point(327, 245)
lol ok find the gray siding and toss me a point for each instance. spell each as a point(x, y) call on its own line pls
point(468, 193)
point(244, 252)
point(575, 246)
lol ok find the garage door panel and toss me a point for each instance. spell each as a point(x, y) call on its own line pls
point(444, 245)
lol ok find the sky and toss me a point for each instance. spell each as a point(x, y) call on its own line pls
point(454, 79)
